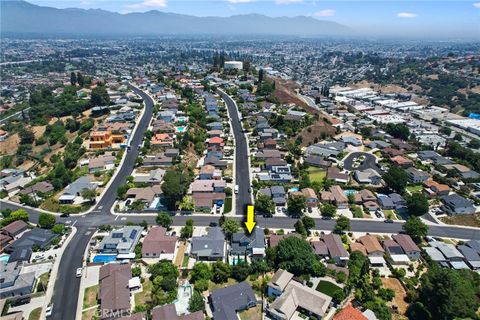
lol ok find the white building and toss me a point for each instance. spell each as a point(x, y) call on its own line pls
point(233, 65)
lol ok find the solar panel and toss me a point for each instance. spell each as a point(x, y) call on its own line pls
point(133, 234)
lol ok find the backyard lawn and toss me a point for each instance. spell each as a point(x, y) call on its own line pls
point(414, 188)
point(144, 297)
point(35, 314)
point(90, 297)
point(316, 174)
point(252, 313)
point(327, 287)
point(213, 286)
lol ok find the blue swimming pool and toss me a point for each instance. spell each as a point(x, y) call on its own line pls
point(104, 258)
point(349, 192)
point(4, 257)
point(180, 129)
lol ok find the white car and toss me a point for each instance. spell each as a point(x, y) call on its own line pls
point(49, 310)
point(79, 272)
point(236, 189)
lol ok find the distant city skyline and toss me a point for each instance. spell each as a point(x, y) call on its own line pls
point(397, 18)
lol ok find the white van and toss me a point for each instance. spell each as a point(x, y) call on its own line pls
point(236, 189)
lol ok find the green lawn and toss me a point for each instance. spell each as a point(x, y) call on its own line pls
point(185, 261)
point(35, 314)
point(390, 214)
point(414, 188)
point(316, 174)
point(144, 297)
point(90, 297)
point(213, 286)
point(327, 287)
point(228, 205)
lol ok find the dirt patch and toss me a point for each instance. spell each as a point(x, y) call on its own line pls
point(10, 145)
point(470, 220)
point(319, 130)
point(182, 247)
point(400, 294)
point(391, 88)
point(285, 93)
point(475, 89)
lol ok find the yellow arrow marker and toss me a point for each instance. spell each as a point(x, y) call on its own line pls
point(250, 223)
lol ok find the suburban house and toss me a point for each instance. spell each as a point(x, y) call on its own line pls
point(74, 190)
point(277, 193)
point(317, 161)
point(162, 140)
point(333, 173)
point(121, 241)
point(13, 283)
point(209, 247)
point(159, 160)
point(393, 201)
point(169, 312)
point(150, 178)
point(401, 161)
point(472, 258)
point(105, 139)
point(157, 244)
point(335, 195)
point(310, 197)
point(335, 248)
point(395, 252)
point(455, 204)
point(100, 163)
point(21, 249)
point(368, 176)
point(226, 302)
point(350, 313)
point(292, 296)
point(372, 246)
point(114, 292)
point(252, 245)
point(325, 149)
point(39, 188)
point(433, 189)
point(417, 176)
point(146, 195)
point(408, 246)
point(11, 232)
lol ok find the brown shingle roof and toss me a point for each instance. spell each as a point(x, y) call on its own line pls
point(158, 242)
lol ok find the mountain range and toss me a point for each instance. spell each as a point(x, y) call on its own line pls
point(18, 16)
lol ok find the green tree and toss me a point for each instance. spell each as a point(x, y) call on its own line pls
point(449, 294)
point(296, 256)
point(343, 224)
point(300, 228)
point(89, 194)
point(240, 271)
point(221, 271)
point(328, 210)
point(58, 228)
point(308, 222)
point(296, 205)
point(73, 78)
point(399, 131)
point(230, 226)
point(264, 204)
point(415, 228)
point(46, 220)
point(174, 187)
point(80, 79)
point(200, 271)
point(417, 204)
point(396, 178)
point(196, 302)
point(164, 219)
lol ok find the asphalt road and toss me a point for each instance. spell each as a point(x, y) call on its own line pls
point(242, 171)
point(67, 285)
point(369, 162)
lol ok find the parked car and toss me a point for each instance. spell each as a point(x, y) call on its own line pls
point(65, 215)
point(49, 310)
point(20, 302)
point(213, 224)
point(79, 272)
point(388, 221)
point(235, 189)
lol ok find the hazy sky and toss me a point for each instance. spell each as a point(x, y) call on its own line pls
point(408, 17)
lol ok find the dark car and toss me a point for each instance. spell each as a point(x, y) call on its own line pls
point(213, 224)
point(388, 221)
point(20, 302)
point(326, 218)
point(65, 215)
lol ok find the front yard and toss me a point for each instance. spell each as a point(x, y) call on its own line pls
point(90, 297)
